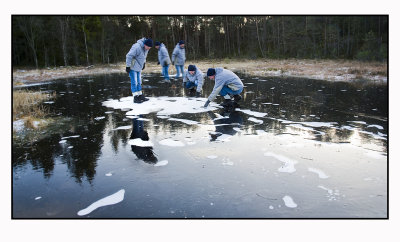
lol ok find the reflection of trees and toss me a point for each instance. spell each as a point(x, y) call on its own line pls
point(41, 155)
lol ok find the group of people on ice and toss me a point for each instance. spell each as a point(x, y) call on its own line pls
point(226, 83)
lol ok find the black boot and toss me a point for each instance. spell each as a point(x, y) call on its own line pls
point(142, 98)
point(136, 99)
point(227, 103)
point(237, 98)
point(192, 92)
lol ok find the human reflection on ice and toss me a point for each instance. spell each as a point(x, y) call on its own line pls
point(228, 123)
point(144, 152)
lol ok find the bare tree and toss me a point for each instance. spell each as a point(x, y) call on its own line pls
point(28, 26)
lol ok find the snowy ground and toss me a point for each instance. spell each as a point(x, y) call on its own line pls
point(330, 70)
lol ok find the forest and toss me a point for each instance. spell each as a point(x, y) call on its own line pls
point(43, 41)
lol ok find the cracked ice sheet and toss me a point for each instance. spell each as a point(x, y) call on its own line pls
point(163, 106)
point(109, 200)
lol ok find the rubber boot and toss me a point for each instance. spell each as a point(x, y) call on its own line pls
point(237, 98)
point(142, 98)
point(136, 99)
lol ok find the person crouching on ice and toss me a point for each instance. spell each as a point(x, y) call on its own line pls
point(193, 80)
point(135, 63)
point(227, 84)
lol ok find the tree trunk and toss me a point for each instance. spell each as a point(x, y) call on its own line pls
point(84, 36)
point(27, 29)
point(258, 38)
point(63, 21)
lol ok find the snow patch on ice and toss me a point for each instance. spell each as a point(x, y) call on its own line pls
point(18, 125)
point(252, 113)
point(289, 202)
point(161, 163)
point(212, 157)
point(164, 106)
point(288, 164)
point(100, 118)
point(256, 120)
point(375, 126)
point(37, 198)
point(140, 142)
point(170, 142)
point(320, 173)
point(123, 127)
point(109, 200)
point(186, 121)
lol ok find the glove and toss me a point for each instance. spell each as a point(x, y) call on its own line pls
point(144, 64)
point(158, 63)
point(206, 104)
point(197, 94)
point(128, 69)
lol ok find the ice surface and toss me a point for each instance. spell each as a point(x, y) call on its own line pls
point(140, 142)
point(256, 120)
point(289, 202)
point(110, 200)
point(212, 157)
point(320, 173)
point(170, 142)
point(109, 174)
point(271, 207)
point(161, 163)
point(288, 165)
point(37, 198)
point(163, 106)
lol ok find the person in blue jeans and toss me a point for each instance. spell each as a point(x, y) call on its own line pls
point(179, 58)
point(193, 80)
point(227, 84)
point(163, 59)
point(135, 63)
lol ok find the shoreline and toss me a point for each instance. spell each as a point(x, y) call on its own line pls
point(329, 70)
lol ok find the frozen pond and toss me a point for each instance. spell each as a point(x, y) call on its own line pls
point(296, 148)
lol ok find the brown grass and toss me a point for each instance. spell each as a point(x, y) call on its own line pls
point(28, 105)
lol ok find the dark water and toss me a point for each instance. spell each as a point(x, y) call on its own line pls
point(207, 177)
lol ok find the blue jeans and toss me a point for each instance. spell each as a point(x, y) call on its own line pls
point(136, 83)
point(226, 90)
point(190, 84)
point(165, 72)
point(177, 70)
